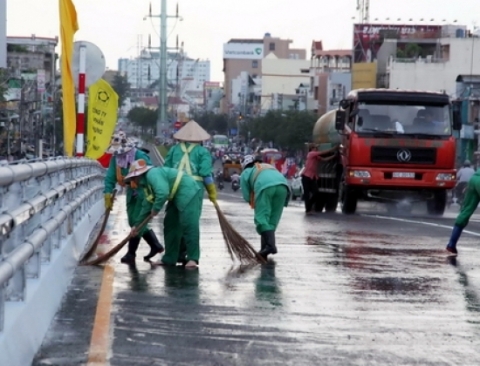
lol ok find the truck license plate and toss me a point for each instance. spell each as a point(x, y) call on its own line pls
point(403, 175)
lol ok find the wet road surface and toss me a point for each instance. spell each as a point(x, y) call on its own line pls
point(368, 289)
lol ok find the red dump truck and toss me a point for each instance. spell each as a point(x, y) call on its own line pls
point(389, 146)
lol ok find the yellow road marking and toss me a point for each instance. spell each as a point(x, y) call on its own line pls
point(100, 341)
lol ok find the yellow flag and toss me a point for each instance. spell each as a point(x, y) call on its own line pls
point(102, 118)
point(68, 28)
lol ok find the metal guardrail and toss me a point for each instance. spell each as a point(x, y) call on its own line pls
point(40, 204)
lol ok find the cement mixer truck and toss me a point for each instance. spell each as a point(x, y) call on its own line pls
point(387, 146)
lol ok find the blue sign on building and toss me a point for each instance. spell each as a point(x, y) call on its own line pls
point(233, 132)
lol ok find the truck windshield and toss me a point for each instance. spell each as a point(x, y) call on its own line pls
point(403, 119)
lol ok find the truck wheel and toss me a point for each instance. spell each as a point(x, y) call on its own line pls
point(437, 205)
point(348, 198)
point(331, 202)
point(320, 202)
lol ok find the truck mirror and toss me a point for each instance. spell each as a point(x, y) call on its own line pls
point(457, 120)
point(344, 104)
point(340, 120)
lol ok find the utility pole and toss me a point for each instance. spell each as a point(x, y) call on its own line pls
point(162, 85)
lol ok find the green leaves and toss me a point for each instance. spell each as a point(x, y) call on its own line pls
point(122, 87)
point(213, 122)
point(142, 117)
point(286, 129)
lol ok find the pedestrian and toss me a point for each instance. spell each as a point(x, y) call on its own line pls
point(470, 204)
point(193, 159)
point(310, 177)
point(124, 153)
point(266, 189)
point(182, 216)
point(463, 177)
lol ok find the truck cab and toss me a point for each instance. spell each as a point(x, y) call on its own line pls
point(396, 145)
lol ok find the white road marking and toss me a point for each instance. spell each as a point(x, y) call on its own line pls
point(419, 222)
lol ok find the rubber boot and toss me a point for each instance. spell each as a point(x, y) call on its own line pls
point(182, 255)
point(132, 250)
point(452, 244)
point(155, 246)
point(263, 242)
point(270, 245)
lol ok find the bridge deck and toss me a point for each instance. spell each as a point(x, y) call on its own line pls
point(380, 294)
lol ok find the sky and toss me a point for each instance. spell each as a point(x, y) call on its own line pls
point(115, 25)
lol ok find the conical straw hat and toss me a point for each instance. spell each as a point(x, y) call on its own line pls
point(192, 132)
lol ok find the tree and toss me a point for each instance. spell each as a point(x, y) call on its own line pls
point(288, 130)
point(144, 118)
point(122, 87)
point(213, 122)
point(412, 50)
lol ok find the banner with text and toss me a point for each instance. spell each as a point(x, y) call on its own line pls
point(245, 51)
point(102, 118)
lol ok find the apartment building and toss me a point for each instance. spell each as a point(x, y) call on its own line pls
point(246, 55)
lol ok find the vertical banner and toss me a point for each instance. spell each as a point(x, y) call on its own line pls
point(102, 118)
point(68, 28)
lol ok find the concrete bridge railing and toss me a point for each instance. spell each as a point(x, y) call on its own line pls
point(47, 211)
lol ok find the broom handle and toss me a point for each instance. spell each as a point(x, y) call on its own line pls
point(142, 224)
point(119, 246)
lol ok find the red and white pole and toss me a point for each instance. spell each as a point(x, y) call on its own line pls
point(81, 102)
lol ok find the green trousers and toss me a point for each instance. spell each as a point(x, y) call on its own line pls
point(134, 207)
point(186, 225)
point(470, 203)
point(269, 208)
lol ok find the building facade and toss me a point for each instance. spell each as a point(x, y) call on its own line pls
point(330, 77)
point(3, 34)
point(246, 55)
point(144, 70)
point(280, 80)
point(438, 72)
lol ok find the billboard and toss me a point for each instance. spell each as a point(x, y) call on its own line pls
point(242, 51)
point(364, 75)
point(368, 38)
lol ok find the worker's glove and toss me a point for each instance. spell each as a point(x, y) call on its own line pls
point(212, 192)
point(108, 201)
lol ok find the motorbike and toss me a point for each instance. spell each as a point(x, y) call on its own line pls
point(235, 185)
point(219, 179)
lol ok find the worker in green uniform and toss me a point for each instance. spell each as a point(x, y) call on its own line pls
point(124, 154)
point(182, 217)
point(266, 189)
point(469, 205)
point(192, 158)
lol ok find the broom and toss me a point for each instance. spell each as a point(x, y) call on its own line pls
point(116, 248)
point(237, 245)
point(102, 229)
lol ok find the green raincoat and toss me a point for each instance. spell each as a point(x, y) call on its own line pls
point(197, 163)
point(471, 200)
point(182, 218)
point(134, 197)
point(267, 193)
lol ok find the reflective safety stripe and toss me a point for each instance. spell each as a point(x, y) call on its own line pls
point(185, 162)
point(175, 185)
point(149, 194)
point(253, 178)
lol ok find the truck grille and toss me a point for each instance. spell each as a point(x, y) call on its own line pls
point(403, 155)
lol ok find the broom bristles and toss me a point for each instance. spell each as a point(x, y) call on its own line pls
point(237, 246)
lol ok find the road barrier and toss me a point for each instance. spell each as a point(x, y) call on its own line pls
point(45, 209)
